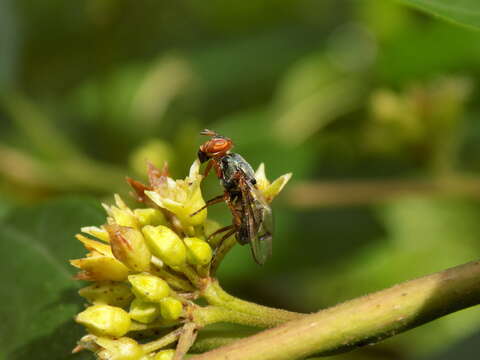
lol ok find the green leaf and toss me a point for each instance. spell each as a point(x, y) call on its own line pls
point(38, 296)
point(463, 12)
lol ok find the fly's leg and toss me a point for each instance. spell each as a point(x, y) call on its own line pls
point(219, 231)
point(215, 200)
point(226, 243)
point(208, 168)
point(237, 218)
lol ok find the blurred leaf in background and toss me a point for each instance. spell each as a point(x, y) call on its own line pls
point(39, 298)
point(465, 12)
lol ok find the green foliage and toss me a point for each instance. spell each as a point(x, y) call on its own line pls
point(464, 12)
point(102, 86)
point(39, 296)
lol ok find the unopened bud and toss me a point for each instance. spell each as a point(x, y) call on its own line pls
point(150, 216)
point(128, 246)
point(105, 320)
point(165, 355)
point(149, 287)
point(144, 312)
point(110, 293)
point(198, 251)
point(119, 349)
point(171, 308)
point(165, 244)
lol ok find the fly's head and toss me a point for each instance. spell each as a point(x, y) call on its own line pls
point(217, 147)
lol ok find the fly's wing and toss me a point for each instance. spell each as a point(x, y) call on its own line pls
point(257, 223)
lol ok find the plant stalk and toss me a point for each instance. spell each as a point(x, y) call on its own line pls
point(365, 320)
point(215, 295)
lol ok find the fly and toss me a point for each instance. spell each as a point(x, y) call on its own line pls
point(252, 216)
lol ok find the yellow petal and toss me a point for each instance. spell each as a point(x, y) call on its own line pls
point(96, 232)
point(92, 245)
point(276, 187)
point(97, 268)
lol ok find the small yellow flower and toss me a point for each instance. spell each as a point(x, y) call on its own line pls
point(111, 349)
point(171, 308)
point(144, 312)
point(198, 251)
point(165, 355)
point(108, 292)
point(181, 197)
point(120, 349)
point(129, 246)
point(270, 189)
point(149, 287)
point(150, 216)
point(165, 244)
point(97, 267)
point(120, 214)
point(105, 320)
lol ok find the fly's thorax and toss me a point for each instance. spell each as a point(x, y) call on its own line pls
point(230, 165)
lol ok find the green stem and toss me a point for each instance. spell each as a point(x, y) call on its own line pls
point(215, 295)
point(192, 275)
point(163, 341)
point(215, 314)
point(362, 321)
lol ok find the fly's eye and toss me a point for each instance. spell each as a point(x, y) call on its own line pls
point(219, 145)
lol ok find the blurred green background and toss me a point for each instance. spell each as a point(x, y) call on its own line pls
point(372, 105)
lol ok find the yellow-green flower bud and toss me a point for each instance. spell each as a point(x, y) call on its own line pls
point(198, 251)
point(149, 287)
point(128, 246)
point(165, 244)
point(105, 320)
point(165, 355)
point(121, 214)
point(144, 312)
point(150, 217)
point(100, 268)
point(171, 308)
point(110, 293)
point(119, 349)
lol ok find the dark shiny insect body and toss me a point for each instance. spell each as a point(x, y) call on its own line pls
point(252, 216)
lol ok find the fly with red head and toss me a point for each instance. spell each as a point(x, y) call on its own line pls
point(252, 217)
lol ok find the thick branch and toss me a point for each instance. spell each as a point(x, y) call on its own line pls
point(362, 321)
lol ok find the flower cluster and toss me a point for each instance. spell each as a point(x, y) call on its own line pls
point(148, 265)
